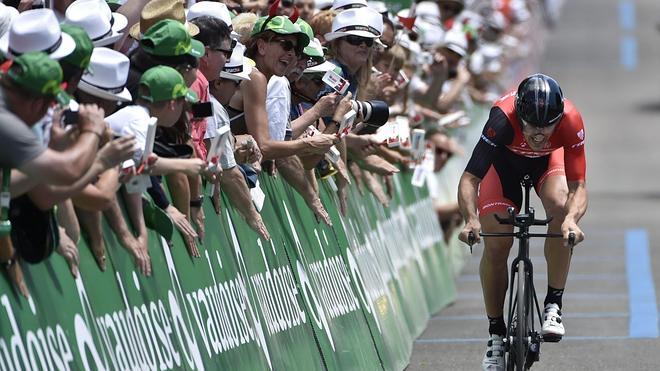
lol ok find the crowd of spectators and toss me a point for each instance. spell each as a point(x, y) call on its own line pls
point(134, 111)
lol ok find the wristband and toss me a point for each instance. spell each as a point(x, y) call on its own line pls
point(197, 202)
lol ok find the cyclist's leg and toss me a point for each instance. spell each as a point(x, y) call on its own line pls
point(553, 191)
point(496, 194)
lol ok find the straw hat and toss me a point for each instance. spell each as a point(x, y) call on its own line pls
point(157, 10)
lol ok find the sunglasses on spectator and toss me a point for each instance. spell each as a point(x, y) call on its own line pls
point(287, 45)
point(226, 52)
point(357, 40)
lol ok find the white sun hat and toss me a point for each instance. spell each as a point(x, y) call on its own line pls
point(102, 25)
point(210, 8)
point(238, 67)
point(36, 30)
point(428, 11)
point(106, 75)
point(7, 15)
point(340, 5)
point(378, 6)
point(363, 22)
point(456, 41)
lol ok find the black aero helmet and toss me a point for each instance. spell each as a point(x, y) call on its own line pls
point(539, 101)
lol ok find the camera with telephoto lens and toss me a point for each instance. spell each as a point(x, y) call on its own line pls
point(374, 114)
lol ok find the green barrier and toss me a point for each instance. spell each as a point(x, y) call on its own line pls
point(315, 297)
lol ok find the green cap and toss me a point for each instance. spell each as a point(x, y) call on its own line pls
point(165, 83)
point(309, 50)
point(170, 38)
point(83, 51)
point(37, 74)
point(280, 25)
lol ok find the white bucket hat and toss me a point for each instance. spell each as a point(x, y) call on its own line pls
point(340, 5)
point(363, 22)
point(36, 30)
point(210, 8)
point(106, 75)
point(428, 11)
point(7, 15)
point(456, 41)
point(102, 25)
point(378, 6)
point(238, 67)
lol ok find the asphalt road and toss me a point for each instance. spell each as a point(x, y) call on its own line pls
point(606, 56)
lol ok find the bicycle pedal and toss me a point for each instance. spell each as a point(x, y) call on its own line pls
point(551, 338)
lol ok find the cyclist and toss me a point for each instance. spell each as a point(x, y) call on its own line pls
point(532, 131)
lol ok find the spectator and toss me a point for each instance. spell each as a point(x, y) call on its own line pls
point(28, 87)
point(305, 9)
point(104, 84)
point(161, 94)
point(237, 69)
point(351, 42)
point(449, 11)
point(273, 48)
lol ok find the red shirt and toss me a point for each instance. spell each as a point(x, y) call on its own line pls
point(198, 126)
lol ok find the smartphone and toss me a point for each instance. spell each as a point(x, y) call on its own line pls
point(202, 110)
point(336, 82)
point(70, 114)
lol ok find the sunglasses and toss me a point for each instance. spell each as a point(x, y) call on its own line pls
point(357, 40)
point(288, 45)
point(226, 52)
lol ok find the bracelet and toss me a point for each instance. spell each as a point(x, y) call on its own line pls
point(92, 132)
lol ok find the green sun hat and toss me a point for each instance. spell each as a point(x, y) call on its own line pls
point(37, 74)
point(83, 52)
point(170, 38)
point(280, 25)
point(165, 83)
point(309, 50)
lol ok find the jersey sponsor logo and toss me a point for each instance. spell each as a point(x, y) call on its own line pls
point(578, 144)
point(485, 139)
point(580, 134)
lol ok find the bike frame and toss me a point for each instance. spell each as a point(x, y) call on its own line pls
point(523, 221)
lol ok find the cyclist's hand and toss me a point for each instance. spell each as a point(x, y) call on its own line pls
point(569, 226)
point(475, 228)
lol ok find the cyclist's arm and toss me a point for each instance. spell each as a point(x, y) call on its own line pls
point(576, 205)
point(467, 197)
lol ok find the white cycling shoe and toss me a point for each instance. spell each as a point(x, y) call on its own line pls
point(553, 328)
point(494, 357)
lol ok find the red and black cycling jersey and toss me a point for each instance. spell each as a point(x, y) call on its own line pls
point(502, 136)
